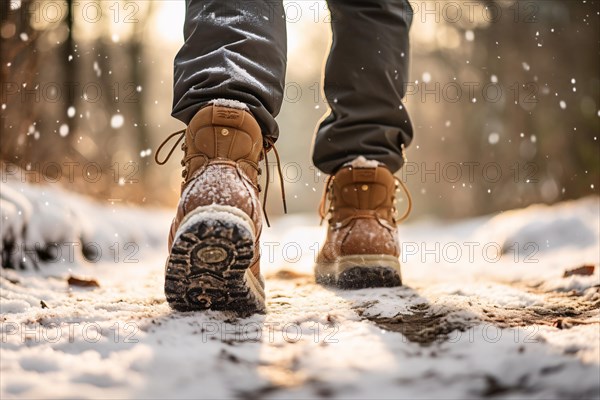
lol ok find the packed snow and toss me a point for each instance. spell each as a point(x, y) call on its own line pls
point(485, 311)
point(362, 162)
point(229, 103)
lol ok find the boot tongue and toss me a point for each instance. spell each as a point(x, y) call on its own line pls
point(224, 132)
point(363, 188)
point(226, 116)
point(364, 175)
point(229, 135)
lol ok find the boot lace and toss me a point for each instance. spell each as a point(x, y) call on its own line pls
point(268, 144)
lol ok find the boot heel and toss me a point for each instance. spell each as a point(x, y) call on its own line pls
point(208, 266)
point(360, 272)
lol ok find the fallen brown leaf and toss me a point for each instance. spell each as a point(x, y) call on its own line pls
point(82, 282)
point(584, 270)
point(286, 274)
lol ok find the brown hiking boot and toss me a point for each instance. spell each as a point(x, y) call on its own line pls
point(361, 249)
point(214, 239)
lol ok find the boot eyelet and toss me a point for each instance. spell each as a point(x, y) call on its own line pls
point(224, 132)
point(364, 188)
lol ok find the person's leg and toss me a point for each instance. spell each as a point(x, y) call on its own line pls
point(229, 79)
point(361, 142)
point(365, 79)
point(233, 50)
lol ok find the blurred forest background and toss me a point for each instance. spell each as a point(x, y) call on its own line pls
point(504, 97)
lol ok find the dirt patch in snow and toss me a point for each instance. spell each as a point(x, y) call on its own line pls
point(426, 325)
point(562, 310)
point(421, 327)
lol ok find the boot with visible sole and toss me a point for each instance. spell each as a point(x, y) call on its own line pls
point(361, 249)
point(214, 240)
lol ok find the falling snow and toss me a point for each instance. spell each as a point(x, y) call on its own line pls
point(63, 130)
point(97, 69)
point(145, 153)
point(117, 121)
point(493, 138)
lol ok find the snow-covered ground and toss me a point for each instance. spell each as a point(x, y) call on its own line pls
point(485, 310)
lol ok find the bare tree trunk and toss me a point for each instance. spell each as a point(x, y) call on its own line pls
point(18, 65)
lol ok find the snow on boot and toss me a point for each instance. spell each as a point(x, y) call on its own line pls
point(214, 239)
point(361, 249)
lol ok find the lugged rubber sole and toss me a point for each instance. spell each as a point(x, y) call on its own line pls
point(208, 267)
point(360, 272)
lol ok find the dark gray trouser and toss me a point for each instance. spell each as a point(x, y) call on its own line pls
point(237, 50)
